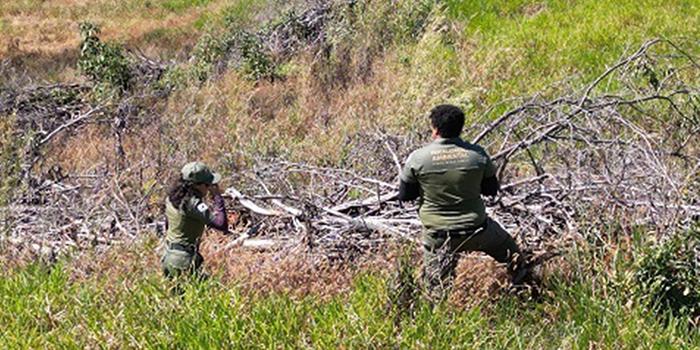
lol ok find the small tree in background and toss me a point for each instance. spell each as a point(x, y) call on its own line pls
point(105, 64)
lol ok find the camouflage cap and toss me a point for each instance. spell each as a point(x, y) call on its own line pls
point(197, 172)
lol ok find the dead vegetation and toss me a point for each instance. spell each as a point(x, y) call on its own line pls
point(562, 162)
point(633, 155)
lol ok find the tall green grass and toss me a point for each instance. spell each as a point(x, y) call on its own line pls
point(502, 49)
point(534, 44)
point(43, 307)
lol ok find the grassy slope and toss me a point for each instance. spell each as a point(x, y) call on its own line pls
point(493, 50)
point(523, 47)
point(477, 54)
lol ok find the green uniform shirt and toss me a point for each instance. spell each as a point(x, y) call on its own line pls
point(186, 224)
point(449, 172)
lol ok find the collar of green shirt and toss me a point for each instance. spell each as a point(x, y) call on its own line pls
point(447, 141)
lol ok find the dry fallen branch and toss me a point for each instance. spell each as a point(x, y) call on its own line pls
point(584, 164)
point(575, 157)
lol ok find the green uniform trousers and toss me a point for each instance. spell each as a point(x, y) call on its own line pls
point(181, 260)
point(441, 252)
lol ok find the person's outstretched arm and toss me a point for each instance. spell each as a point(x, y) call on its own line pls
point(489, 183)
point(408, 191)
point(409, 187)
point(490, 186)
point(213, 217)
point(218, 220)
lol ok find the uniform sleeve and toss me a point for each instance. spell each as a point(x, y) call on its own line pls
point(490, 186)
point(408, 172)
point(408, 191)
point(215, 218)
point(220, 221)
point(197, 209)
point(490, 170)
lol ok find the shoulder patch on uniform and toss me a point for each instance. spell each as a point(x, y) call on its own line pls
point(202, 207)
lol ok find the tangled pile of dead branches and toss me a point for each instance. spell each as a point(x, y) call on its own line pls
point(579, 165)
point(586, 164)
point(297, 30)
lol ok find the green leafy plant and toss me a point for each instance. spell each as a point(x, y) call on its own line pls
point(256, 63)
point(669, 274)
point(403, 291)
point(103, 63)
point(209, 50)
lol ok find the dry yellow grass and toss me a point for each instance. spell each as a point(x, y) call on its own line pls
point(479, 279)
point(51, 27)
point(299, 116)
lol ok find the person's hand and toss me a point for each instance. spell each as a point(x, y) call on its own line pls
point(214, 190)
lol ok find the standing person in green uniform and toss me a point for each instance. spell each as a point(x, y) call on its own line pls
point(448, 177)
point(187, 215)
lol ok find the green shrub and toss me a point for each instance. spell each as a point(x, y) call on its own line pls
point(209, 50)
point(411, 19)
point(103, 63)
point(240, 13)
point(256, 63)
point(668, 275)
point(212, 48)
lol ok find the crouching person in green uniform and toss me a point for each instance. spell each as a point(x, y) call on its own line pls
point(187, 215)
point(448, 177)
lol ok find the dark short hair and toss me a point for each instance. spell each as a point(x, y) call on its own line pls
point(448, 120)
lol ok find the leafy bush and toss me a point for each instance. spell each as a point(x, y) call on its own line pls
point(669, 274)
point(212, 49)
point(209, 50)
point(411, 19)
point(103, 63)
point(256, 63)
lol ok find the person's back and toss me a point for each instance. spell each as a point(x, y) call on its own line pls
point(448, 177)
point(450, 172)
point(187, 221)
